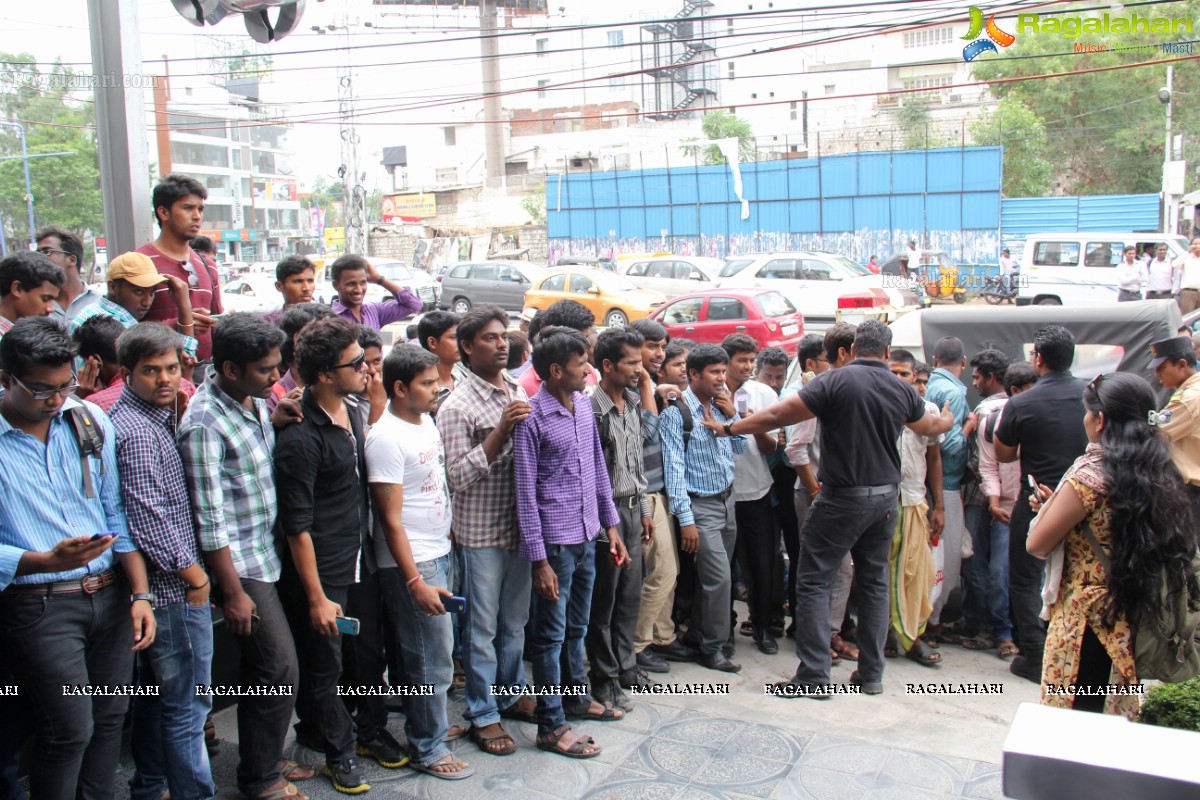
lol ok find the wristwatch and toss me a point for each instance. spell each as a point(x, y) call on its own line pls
point(149, 597)
point(727, 427)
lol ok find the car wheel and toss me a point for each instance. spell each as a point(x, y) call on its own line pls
point(616, 319)
point(462, 305)
point(1049, 301)
point(960, 297)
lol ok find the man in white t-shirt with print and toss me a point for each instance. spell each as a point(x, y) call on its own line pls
point(406, 467)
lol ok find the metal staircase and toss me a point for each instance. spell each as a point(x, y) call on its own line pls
point(678, 61)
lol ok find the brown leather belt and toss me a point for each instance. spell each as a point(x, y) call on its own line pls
point(88, 584)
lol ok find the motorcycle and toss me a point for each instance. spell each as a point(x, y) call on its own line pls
point(997, 289)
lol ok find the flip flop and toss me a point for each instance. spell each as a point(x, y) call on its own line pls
point(921, 654)
point(286, 792)
point(464, 771)
point(1006, 648)
point(294, 771)
point(980, 641)
point(456, 732)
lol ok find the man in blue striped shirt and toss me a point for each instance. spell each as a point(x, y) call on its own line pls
point(699, 480)
point(64, 611)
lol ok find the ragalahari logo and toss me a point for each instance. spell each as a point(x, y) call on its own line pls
point(995, 36)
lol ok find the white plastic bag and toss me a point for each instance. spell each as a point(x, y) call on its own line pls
point(939, 570)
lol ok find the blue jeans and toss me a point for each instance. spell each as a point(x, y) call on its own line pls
point(558, 628)
point(497, 584)
point(424, 646)
point(168, 731)
point(985, 575)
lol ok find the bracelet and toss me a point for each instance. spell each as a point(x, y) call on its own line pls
point(201, 586)
point(413, 582)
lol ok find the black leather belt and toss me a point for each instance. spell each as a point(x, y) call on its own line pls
point(858, 491)
point(722, 496)
point(88, 584)
point(632, 501)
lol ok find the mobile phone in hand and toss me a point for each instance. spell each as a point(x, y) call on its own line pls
point(455, 605)
point(106, 535)
point(741, 405)
point(348, 626)
point(1033, 485)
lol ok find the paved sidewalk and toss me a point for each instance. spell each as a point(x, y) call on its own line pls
point(744, 745)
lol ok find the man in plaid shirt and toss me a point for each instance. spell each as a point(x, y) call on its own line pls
point(226, 441)
point(476, 423)
point(168, 730)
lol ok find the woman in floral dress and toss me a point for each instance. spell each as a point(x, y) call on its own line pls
point(1127, 489)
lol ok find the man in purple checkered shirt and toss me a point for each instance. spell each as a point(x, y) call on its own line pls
point(350, 275)
point(564, 499)
point(168, 729)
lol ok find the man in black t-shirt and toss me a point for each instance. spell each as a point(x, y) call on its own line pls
point(863, 408)
point(1044, 428)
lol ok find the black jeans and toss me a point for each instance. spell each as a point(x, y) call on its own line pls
point(363, 657)
point(863, 527)
point(758, 553)
point(16, 730)
point(319, 658)
point(1025, 585)
point(616, 602)
point(783, 501)
point(70, 639)
point(268, 659)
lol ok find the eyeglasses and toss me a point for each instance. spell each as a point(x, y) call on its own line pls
point(193, 279)
point(357, 364)
point(49, 251)
point(45, 394)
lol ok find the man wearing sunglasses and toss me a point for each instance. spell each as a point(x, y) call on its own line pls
point(179, 211)
point(321, 478)
point(66, 250)
point(65, 610)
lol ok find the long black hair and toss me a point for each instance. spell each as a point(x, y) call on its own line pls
point(1152, 524)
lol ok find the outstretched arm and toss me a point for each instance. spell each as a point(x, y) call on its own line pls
point(787, 411)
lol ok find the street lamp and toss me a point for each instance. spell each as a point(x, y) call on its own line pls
point(1164, 97)
point(25, 159)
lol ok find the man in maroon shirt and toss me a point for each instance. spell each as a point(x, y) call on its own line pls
point(179, 209)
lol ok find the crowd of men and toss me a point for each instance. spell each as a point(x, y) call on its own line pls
point(589, 504)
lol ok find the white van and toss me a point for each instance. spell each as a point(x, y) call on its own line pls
point(1080, 268)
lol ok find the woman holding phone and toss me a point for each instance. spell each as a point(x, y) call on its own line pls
point(1122, 496)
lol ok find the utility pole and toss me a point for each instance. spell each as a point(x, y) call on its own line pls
point(20, 129)
point(1169, 215)
point(120, 126)
point(493, 130)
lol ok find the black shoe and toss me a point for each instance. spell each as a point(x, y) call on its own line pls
point(384, 748)
point(636, 678)
point(765, 641)
point(868, 687)
point(347, 776)
point(1024, 667)
point(602, 692)
point(619, 698)
point(812, 691)
point(675, 651)
point(718, 661)
point(776, 627)
point(652, 661)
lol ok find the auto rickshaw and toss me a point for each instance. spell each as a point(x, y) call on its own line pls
point(938, 275)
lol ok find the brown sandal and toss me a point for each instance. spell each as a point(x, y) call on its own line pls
point(582, 747)
point(497, 744)
point(456, 732)
point(1006, 648)
point(844, 648)
point(295, 771)
point(524, 710)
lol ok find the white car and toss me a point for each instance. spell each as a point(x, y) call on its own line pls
point(421, 282)
point(252, 292)
point(817, 283)
point(672, 275)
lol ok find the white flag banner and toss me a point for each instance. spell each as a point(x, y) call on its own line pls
point(731, 149)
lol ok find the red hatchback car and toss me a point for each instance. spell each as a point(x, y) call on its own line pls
point(711, 315)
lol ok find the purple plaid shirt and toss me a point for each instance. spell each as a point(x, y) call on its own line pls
point(376, 315)
point(563, 492)
point(155, 494)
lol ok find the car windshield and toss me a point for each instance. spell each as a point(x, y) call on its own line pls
point(734, 265)
point(394, 271)
point(616, 283)
point(774, 304)
point(848, 267)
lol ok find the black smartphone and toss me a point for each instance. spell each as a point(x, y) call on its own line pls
point(455, 605)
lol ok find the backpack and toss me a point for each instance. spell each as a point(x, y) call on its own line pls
point(91, 443)
point(1166, 645)
point(603, 424)
point(685, 414)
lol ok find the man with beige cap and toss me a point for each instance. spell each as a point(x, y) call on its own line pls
point(132, 281)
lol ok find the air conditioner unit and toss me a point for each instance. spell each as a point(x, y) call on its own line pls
point(954, 98)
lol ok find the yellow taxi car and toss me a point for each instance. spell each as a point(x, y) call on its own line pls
point(612, 298)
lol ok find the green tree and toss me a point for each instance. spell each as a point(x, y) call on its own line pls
point(720, 124)
point(66, 188)
point(1105, 128)
point(914, 120)
point(1020, 131)
point(535, 207)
